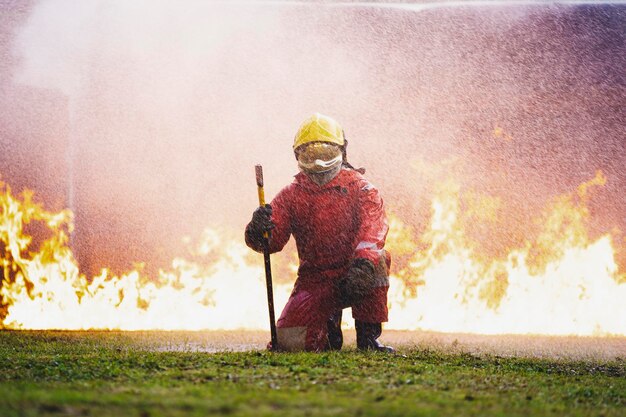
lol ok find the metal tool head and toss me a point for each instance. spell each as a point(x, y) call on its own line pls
point(259, 175)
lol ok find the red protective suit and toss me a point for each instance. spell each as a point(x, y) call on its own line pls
point(332, 224)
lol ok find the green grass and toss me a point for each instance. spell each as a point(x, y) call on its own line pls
point(102, 374)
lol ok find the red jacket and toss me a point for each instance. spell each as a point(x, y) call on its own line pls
point(332, 225)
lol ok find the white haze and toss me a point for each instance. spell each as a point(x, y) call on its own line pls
point(170, 104)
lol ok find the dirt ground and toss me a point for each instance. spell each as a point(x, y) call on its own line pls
point(565, 347)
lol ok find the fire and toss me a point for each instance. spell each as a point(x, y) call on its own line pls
point(561, 282)
point(45, 289)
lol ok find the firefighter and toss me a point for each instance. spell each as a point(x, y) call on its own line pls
point(338, 221)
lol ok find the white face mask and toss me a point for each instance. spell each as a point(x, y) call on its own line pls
point(318, 157)
point(325, 177)
point(320, 166)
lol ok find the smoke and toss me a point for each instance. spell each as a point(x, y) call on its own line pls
point(158, 111)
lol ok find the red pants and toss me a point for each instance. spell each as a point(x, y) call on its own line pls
point(303, 322)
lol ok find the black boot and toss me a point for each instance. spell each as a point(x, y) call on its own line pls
point(366, 335)
point(335, 337)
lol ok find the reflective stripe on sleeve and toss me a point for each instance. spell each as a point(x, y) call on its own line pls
point(366, 245)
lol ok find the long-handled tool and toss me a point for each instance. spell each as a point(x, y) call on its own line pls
point(266, 256)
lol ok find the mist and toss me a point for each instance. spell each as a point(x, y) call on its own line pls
point(147, 117)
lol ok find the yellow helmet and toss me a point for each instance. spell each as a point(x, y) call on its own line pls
point(319, 128)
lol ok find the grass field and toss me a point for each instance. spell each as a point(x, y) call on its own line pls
point(162, 374)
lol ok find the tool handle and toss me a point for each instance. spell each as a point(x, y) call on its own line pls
point(258, 169)
point(266, 257)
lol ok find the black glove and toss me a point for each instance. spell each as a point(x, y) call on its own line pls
point(357, 283)
point(261, 223)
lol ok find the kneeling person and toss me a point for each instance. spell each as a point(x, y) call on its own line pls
point(338, 221)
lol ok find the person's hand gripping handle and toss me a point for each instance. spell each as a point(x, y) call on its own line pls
point(266, 256)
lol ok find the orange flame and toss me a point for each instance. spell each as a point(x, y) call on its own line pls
point(559, 283)
point(45, 290)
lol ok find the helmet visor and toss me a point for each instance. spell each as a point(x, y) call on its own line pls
point(318, 157)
